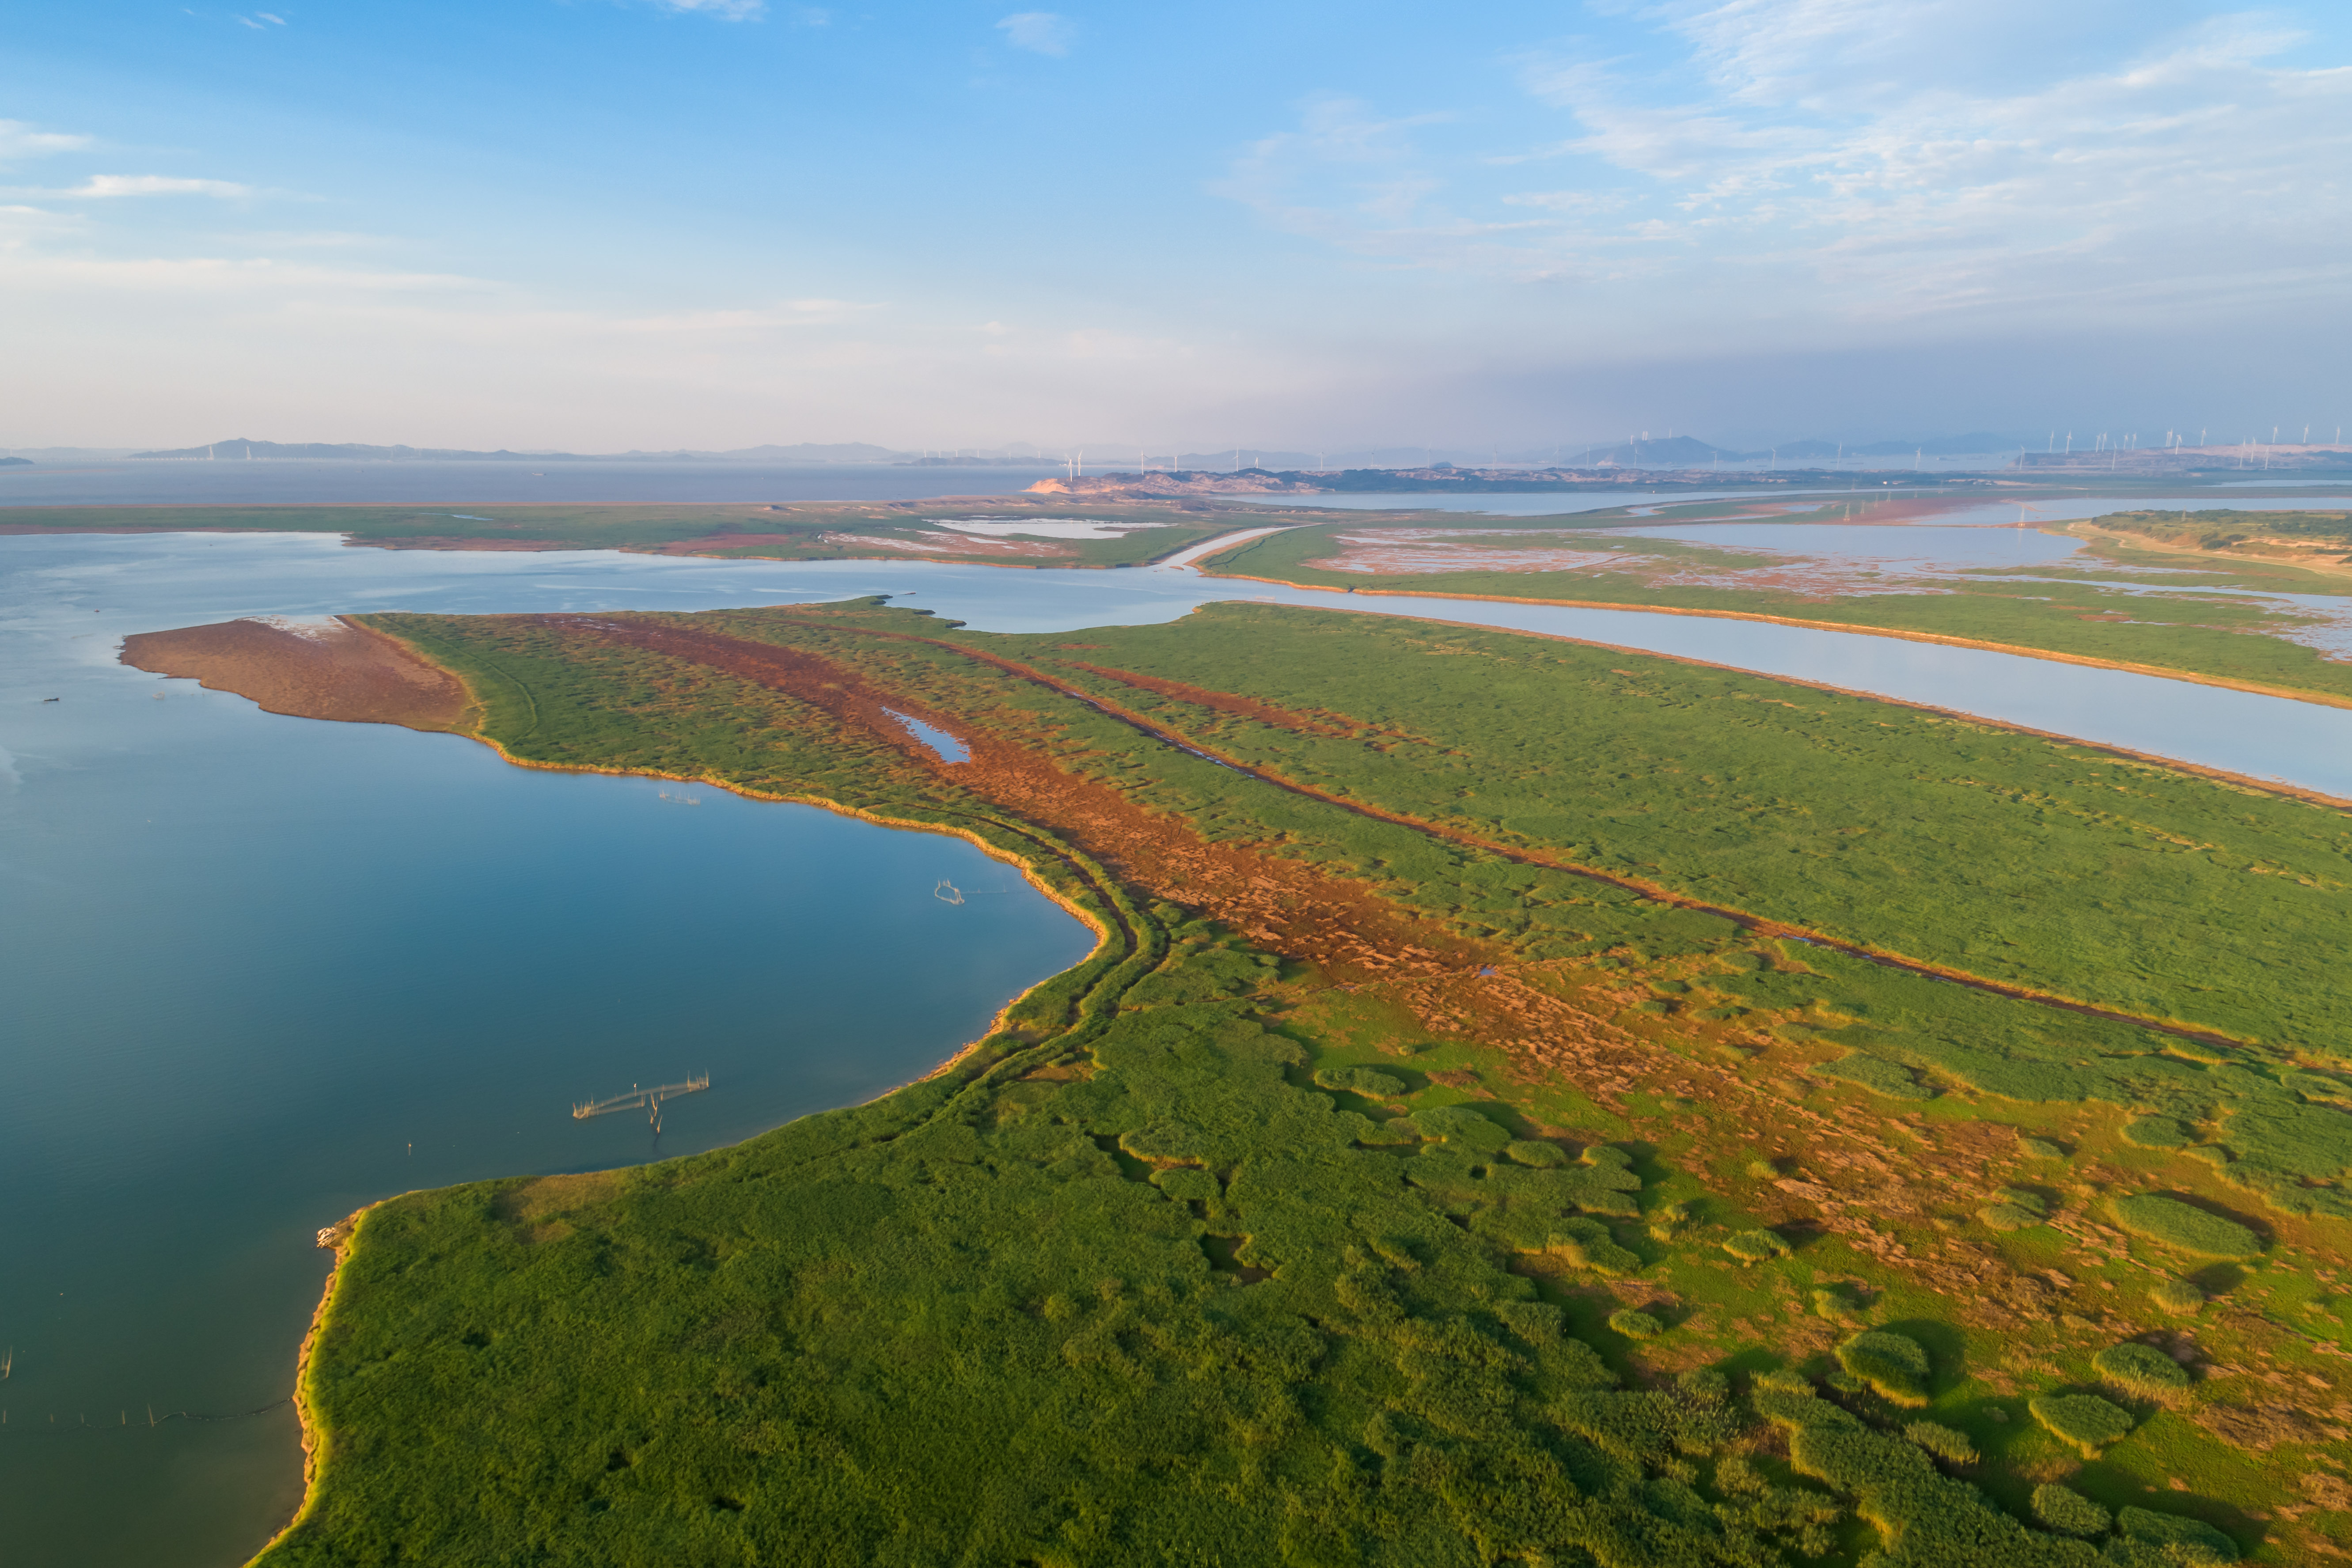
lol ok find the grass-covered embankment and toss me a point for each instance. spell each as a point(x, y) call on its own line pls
point(2220, 637)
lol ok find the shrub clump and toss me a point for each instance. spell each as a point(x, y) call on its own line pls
point(2141, 1369)
point(1945, 1442)
point(1460, 1125)
point(2190, 1230)
point(1588, 1244)
point(2175, 1538)
point(2039, 1149)
point(2156, 1132)
point(2014, 1208)
point(2085, 1420)
point(2068, 1512)
point(1531, 1151)
point(1634, 1323)
point(1834, 1305)
point(1755, 1246)
point(1369, 1081)
point(2177, 1296)
point(1894, 1366)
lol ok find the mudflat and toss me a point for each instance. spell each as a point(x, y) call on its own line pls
point(338, 670)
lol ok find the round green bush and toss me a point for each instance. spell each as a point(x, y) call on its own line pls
point(1944, 1442)
point(1633, 1324)
point(1460, 1125)
point(2085, 1420)
point(2179, 1225)
point(1369, 1081)
point(1529, 1152)
point(2068, 1512)
point(2177, 1296)
point(2156, 1132)
point(1834, 1305)
point(1894, 1367)
point(2041, 1149)
point(2140, 1369)
point(1755, 1246)
point(2192, 1542)
point(2008, 1216)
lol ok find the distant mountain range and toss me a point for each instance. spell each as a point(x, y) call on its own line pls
point(1675, 452)
point(243, 450)
point(1687, 452)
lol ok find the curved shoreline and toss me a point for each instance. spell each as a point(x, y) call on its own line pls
point(2161, 672)
point(316, 1437)
point(314, 1433)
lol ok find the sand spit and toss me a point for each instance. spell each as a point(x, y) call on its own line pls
point(337, 670)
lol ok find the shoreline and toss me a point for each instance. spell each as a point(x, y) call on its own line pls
point(314, 1433)
point(311, 1431)
point(2160, 672)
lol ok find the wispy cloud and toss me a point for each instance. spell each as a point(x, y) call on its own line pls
point(1831, 156)
point(106, 187)
point(725, 10)
point(20, 140)
point(1040, 32)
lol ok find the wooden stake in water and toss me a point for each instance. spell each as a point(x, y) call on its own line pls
point(639, 1098)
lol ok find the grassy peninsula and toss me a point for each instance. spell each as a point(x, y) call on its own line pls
point(2173, 592)
point(1484, 1135)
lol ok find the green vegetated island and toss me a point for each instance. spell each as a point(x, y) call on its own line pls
point(1531, 1104)
point(2195, 593)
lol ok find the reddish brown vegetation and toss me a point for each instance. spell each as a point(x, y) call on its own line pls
point(339, 671)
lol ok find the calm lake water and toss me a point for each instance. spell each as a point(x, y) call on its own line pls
point(262, 970)
point(125, 484)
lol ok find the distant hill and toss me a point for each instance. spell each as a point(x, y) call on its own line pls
point(1976, 442)
point(245, 450)
point(242, 450)
point(16, 462)
point(1674, 451)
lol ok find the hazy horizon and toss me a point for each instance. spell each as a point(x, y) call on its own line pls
point(715, 223)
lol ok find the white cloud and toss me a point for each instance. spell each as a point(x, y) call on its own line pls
point(26, 270)
point(103, 187)
point(725, 10)
point(20, 140)
point(1040, 32)
point(1830, 169)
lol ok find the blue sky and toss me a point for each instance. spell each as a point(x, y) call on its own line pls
point(606, 224)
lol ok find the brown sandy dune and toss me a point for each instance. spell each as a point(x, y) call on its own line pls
point(339, 670)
